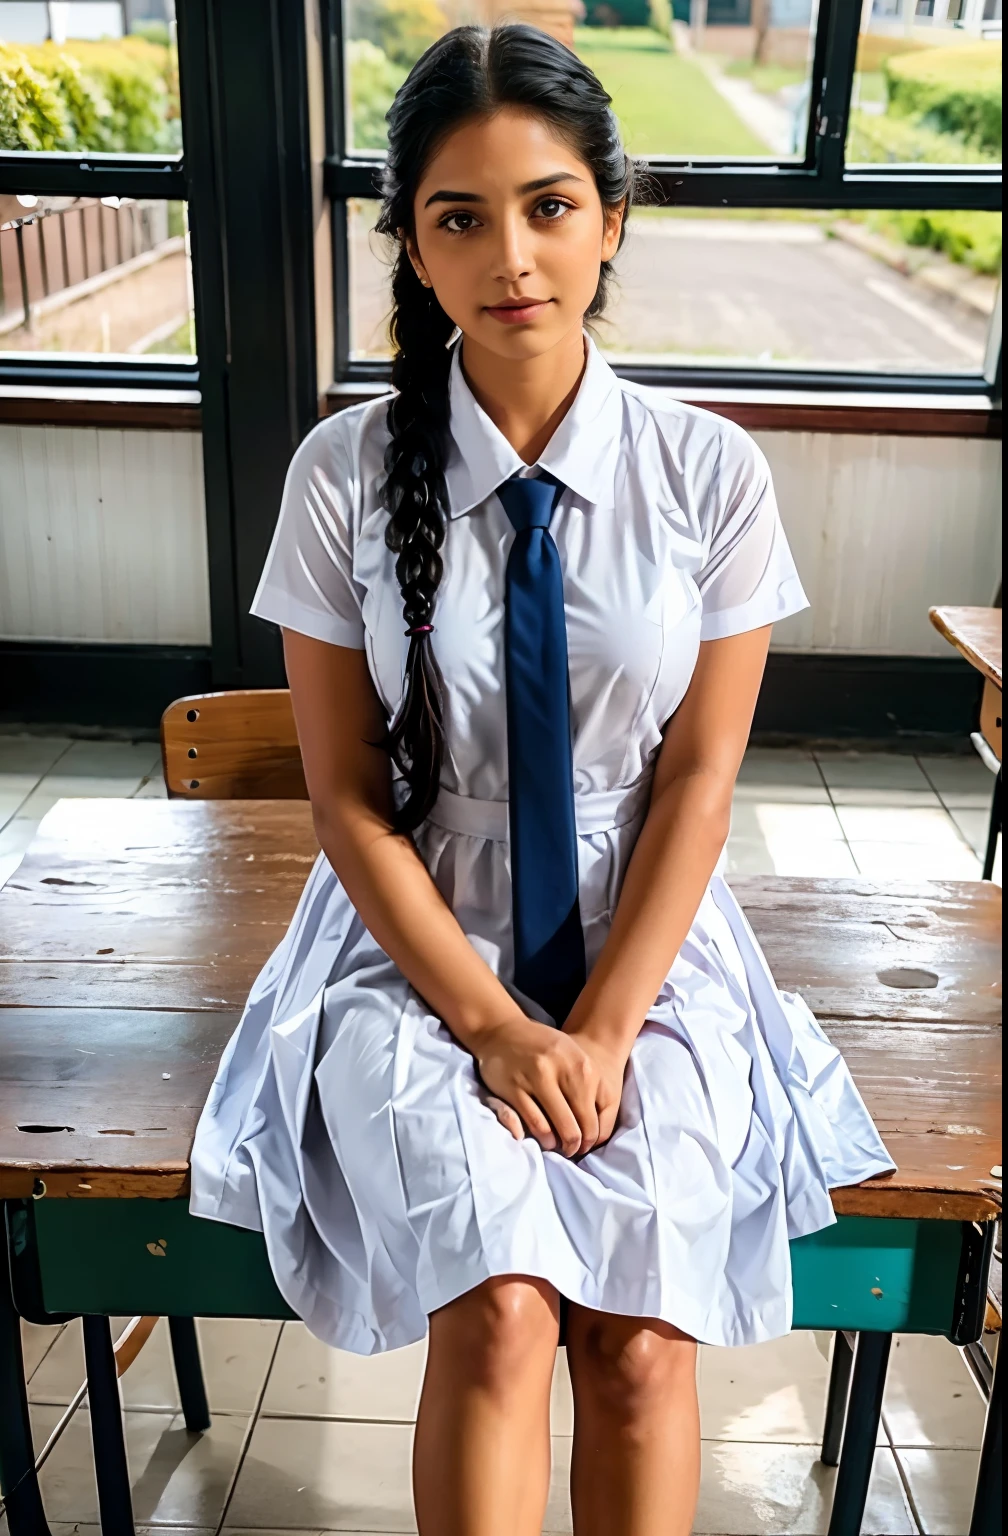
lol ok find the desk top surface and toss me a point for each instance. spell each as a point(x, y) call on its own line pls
point(132, 932)
point(976, 633)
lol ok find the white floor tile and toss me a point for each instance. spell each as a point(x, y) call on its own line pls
point(915, 861)
point(310, 1379)
point(930, 1397)
point(64, 786)
point(335, 1476)
point(36, 1341)
point(854, 776)
point(973, 826)
point(235, 1352)
point(780, 767)
point(176, 1478)
point(942, 1484)
point(899, 824)
point(787, 839)
point(152, 788)
point(747, 856)
point(771, 1392)
point(962, 782)
point(746, 1490)
point(33, 755)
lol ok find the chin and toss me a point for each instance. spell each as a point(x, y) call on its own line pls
point(517, 342)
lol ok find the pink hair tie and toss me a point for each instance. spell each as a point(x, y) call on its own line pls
point(420, 629)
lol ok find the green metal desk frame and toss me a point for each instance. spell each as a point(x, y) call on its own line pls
point(867, 1276)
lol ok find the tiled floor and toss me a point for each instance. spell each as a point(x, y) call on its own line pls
point(304, 1439)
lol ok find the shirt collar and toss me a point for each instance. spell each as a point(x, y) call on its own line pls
point(581, 453)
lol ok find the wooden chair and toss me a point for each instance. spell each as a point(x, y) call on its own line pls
point(232, 746)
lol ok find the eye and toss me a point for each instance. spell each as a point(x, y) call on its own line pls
point(552, 209)
point(458, 223)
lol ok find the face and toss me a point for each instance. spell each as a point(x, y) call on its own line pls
point(510, 232)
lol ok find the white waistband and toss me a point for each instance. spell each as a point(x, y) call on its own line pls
point(599, 811)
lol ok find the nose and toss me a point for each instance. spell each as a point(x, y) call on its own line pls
point(512, 257)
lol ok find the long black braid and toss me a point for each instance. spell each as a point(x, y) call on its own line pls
point(468, 72)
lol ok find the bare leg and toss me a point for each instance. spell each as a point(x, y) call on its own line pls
point(636, 1460)
point(481, 1456)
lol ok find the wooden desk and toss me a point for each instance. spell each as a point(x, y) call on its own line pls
point(131, 934)
point(129, 939)
point(976, 634)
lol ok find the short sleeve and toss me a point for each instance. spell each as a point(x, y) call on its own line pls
point(307, 583)
point(748, 578)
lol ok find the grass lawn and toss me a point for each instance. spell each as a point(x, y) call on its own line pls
point(767, 78)
point(665, 103)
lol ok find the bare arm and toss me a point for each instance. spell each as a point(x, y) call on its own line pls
point(338, 715)
point(679, 844)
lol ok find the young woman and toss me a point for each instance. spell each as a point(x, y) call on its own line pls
point(519, 1043)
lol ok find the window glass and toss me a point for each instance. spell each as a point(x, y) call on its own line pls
point(85, 276)
point(89, 77)
point(857, 291)
point(725, 79)
point(928, 83)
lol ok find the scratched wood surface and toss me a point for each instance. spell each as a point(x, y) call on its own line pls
point(131, 934)
point(976, 633)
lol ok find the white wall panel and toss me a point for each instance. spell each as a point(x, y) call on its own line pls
point(102, 536)
point(881, 529)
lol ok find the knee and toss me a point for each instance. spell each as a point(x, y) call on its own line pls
point(500, 1332)
point(632, 1370)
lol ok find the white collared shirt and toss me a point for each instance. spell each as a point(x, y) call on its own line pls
point(668, 534)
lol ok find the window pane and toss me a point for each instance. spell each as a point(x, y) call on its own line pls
point(110, 276)
point(928, 83)
point(730, 83)
point(855, 291)
point(89, 77)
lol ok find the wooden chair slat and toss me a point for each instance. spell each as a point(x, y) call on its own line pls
point(237, 745)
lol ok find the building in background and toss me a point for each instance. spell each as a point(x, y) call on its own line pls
point(39, 21)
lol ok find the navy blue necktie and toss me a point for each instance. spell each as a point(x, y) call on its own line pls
point(548, 941)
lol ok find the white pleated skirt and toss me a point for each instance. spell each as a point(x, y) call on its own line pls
point(348, 1126)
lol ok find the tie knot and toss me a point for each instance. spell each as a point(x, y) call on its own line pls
point(529, 503)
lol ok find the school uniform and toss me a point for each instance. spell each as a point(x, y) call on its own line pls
point(345, 1121)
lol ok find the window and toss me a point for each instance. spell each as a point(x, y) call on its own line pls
point(828, 175)
point(94, 240)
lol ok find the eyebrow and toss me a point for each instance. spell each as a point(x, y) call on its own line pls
point(446, 196)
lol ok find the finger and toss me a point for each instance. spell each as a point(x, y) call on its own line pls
point(561, 1117)
point(607, 1123)
point(579, 1087)
point(535, 1121)
point(508, 1117)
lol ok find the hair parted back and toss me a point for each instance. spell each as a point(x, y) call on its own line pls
point(469, 73)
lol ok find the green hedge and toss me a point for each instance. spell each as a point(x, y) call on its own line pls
point(115, 96)
point(877, 137)
point(952, 90)
point(374, 80)
point(974, 238)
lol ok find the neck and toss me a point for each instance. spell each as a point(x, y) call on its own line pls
point(526, 399)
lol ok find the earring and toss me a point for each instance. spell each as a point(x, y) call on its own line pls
point(425, 281)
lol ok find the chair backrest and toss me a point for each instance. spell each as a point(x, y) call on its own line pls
point(240, 745)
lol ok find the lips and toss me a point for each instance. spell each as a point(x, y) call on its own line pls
point(518, 311)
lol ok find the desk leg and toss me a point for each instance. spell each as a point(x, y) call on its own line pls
point(189, 1374)
point(986, 1519)
point(836, 1398)
point(993, 830)
point(871, 1356)
point(18, 1478)
point(115, 1505)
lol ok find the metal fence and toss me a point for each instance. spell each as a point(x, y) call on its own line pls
point(57, 249)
